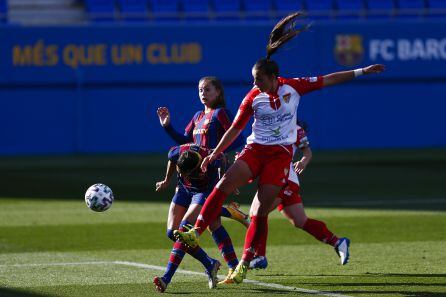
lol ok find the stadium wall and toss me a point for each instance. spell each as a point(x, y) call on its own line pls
point(92, 89)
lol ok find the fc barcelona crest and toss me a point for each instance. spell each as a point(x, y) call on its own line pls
point(287, 97)
point(348, 49)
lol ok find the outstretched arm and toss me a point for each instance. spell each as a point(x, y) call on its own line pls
point(161, 185)
point(300, 165)
point(225, 141)
point(164, 117)
point(344, 76)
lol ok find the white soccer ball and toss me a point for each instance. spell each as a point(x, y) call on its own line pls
point(99, 197)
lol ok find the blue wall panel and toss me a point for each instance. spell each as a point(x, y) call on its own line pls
point(37, 121)
point(50, 105)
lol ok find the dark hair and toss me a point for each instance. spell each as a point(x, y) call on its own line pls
point(188, 162)
point(282, 32)
point(220, 102)
point(267, 66)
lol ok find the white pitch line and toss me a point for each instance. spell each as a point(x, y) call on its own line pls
point(254, 282)
point(160, 268)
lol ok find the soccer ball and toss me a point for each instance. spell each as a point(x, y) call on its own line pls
point(99, 197)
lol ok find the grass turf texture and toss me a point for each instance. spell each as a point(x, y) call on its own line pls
point(394, 203)
point(333, 178)
point(394, 253)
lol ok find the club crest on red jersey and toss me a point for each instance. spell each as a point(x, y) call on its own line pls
point(348, 49)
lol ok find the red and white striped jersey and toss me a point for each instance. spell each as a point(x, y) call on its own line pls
point(275, 113)
point(301, 143)
point(302, 140)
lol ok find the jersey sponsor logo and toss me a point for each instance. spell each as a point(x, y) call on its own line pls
point(268, 119)
point(200, 131)
point(273, 138)
point(287, 97)
point(276, 132)
point(348, 49)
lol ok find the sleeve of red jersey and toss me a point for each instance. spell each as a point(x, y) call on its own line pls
point(245, 110)
point(305, 85)
point(302, 139)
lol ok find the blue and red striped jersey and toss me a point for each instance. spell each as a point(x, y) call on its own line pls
point(197, 181)
point(206, 129)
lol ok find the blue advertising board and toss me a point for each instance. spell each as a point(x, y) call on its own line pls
point(96, 88)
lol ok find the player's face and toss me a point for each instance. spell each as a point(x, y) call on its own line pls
point(264, 82)
point(208, 93)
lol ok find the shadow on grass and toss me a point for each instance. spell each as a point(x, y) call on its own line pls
point(18, 293)
point(367, 274)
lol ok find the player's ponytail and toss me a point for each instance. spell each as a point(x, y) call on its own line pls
point(188, 162)
point(283, 32)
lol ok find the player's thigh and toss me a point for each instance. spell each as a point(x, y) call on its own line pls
point(192, 213)
point(176, 214)
point(215, 224)
point(276, 202)
point(237, 175)
point(264, 199)
point(295, 213)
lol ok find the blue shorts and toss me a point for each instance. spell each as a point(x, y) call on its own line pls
point(185, 197)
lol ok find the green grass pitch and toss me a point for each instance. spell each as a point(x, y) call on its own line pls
point(57, 247)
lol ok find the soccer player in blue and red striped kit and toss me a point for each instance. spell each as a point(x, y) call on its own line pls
point(205, 129)
point(192, 189)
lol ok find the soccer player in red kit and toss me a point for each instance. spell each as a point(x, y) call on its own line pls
point(273, 102)
point(289, 203)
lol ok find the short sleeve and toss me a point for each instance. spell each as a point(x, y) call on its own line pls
point(302, 139)
point(245, 110)
point(174, 154)
point(305, 85)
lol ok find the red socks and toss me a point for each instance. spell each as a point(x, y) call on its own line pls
point(320, 231)
point(211, 210)
point(256, 236)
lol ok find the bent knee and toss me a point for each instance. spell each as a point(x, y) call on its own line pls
point(298, 224)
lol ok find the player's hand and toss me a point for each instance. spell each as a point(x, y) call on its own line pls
point(164, 116)
point(207, 161)
point(299, 167)
point(161, 185)
point(376, 68)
